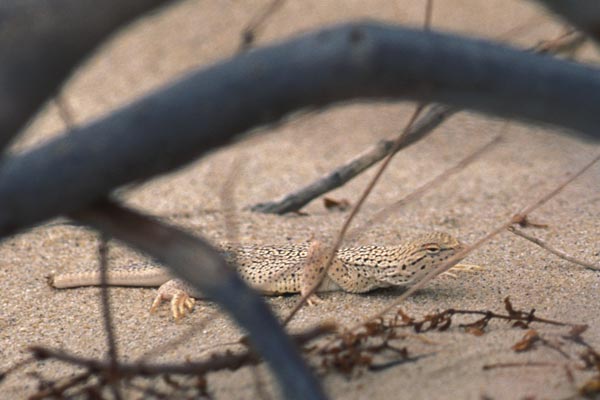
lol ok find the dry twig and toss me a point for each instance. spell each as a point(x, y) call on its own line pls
point(552, 250)
point(99, 374)
point(249, 33)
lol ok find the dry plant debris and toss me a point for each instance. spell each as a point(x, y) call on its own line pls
point(350, 352)
point(377, 345)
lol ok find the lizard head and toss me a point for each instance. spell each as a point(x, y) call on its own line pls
point(420, 256)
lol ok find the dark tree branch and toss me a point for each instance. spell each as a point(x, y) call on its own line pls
point(202, 266)
point(40, 44)
point(204, 110)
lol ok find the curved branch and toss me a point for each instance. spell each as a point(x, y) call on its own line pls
point(42, 41)
point(206, 109)
point(201, 265)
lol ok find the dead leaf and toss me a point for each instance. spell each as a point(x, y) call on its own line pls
point(334, 204)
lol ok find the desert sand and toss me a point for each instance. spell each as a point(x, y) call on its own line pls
point(271, 162)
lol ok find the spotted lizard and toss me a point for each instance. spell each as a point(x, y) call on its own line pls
point(275, 270)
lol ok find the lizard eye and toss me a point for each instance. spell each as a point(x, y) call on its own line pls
point(432, 248)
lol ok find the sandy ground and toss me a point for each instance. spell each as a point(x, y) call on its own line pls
point(528, 163)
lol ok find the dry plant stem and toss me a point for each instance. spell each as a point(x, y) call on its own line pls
point(417, 193)
point(57, 391)
point(456, 258)
point(568, 42)
point(64, 110)
point(396, 145)
point(520, 364)
point(557, 253)
point(355, 210)
point(249, 33)
point(581, 13)
point(428, 15)
point(109, 329)
point(107, 311)
point(197, 262)
point(512, 317)
point(215, 363)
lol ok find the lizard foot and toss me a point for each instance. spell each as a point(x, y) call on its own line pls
point(181, 301)
point(458, 268)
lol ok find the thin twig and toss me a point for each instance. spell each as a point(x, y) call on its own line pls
point(552, 250)
point(460, 255)
point(433, 118)
point(428, 15)
point(417, 193)
point(357, 206)
point(64, 111)
point(214, 363)
point(249, 33)
point(109, 329)
point(57, 391)
point(520, 364)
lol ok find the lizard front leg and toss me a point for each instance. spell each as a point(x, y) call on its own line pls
point(178, 292)
point(314, 269)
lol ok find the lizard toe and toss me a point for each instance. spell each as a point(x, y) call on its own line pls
point(314, 300)
point(157, 301)
point(181, 304)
